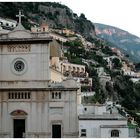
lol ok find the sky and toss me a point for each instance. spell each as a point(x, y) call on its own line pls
point(119, 13)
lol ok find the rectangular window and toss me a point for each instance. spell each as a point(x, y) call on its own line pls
point(19, 95)
point(29, 95)
point(9, 96)
point(59, 95)
point(83, 133)
point(56, 95)
point(25, 95)
point(52, 95)
point(15, 95)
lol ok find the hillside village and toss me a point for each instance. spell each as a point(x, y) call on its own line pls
point(96, 67)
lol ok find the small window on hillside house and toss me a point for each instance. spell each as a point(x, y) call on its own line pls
point(7, 24)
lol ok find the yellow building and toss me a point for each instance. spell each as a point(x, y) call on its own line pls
point(55, 62)
point(68, 32)
point(43, 28)
point(75, 69)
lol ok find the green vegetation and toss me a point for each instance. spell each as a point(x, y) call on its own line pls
point(129, 95)
point(75, 52)
point(82, 16)
point(116, 63)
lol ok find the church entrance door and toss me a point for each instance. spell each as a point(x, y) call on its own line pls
point(19, 128)
point(56, 131)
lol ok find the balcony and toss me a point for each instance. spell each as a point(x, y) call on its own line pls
point(75, 74)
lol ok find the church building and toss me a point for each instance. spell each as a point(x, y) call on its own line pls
point(31, 105)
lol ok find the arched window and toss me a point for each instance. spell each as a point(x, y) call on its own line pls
point(115, 133)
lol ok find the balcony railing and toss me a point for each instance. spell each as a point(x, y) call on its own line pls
point(75, 74)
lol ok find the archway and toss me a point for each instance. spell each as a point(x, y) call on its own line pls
point(19, 117)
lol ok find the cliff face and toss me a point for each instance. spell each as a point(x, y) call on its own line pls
point(55, 14)
point(128, 43)
point(60, 16)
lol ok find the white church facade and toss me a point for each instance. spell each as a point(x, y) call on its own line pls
point(30, 105)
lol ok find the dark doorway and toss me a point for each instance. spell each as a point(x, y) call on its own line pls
point(19, 128)
point(56, 131)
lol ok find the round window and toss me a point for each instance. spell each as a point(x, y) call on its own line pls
point(19, 66)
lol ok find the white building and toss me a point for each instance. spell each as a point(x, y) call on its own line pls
point(7, 23)
point(96, 122)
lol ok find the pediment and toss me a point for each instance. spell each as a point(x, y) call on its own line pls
point(19, 34)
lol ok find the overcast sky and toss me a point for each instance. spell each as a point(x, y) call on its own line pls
point(120, 13)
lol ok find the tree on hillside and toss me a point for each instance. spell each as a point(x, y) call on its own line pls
point(116, 63)
point(82, 16)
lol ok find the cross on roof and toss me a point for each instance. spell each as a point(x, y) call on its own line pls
point(19, 16)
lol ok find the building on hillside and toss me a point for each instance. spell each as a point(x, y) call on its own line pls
point(109, 60)
point(78, 72)
point(75, 69)
point(35, 29)
point(7, 24)
point(68, 32)
point(117, 51)
point(96, 122)
point(54, 33)
point(43, 28)
point(65, 31)
point(31, 105)
point(127, 69)
point(137, 74)
point(58, 37)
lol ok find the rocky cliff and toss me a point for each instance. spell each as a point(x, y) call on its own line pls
point(55, 14)
point(128, 43)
